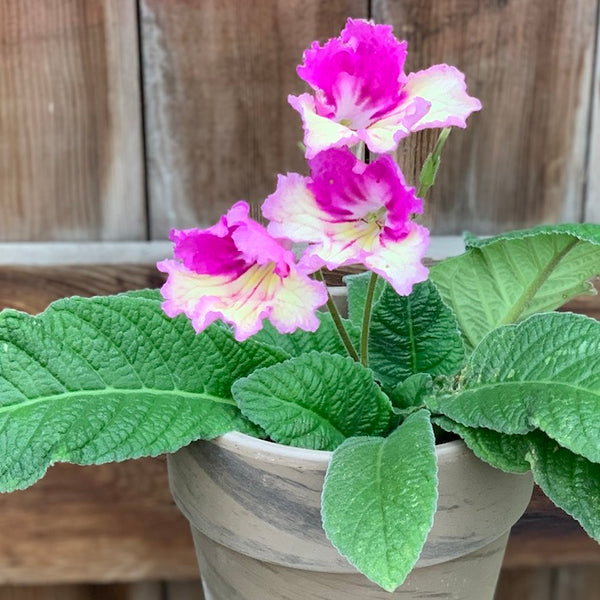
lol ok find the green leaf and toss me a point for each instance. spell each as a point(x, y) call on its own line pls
point(325, 339)
point(570, 481)
point(505, 279)
point(588, 232)
point(505, 452)
point(541, 374)
point(147, 293)
point(379, 498)
point(314, 401)
point(357, 293)
point(412, 392)
point(413, 334)
point(111, 378)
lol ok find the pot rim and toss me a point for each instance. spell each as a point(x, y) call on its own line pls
point(319, 459)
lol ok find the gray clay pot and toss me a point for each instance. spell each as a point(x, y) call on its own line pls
point(254, 511)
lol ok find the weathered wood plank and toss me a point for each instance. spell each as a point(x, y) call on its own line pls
point(216, 77)
point(521, 161)
point(106, 523)
point(577, 583)
point(106, 253)
point(31, 289)
point(547, 536)
point(147, 590)
point(525, 584)
point(184, 590)
point(133, 591)
point(592, 200)
point(71, 163)
point(59, 592)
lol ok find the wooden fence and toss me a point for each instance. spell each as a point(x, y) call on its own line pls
point(120, 119)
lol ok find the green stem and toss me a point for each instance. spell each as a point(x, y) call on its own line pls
point(337, 319)
point(359, 151)
point(366, 324)
point(432, 164)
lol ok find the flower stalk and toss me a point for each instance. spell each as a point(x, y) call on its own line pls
point(366, 323)
point(337, 319)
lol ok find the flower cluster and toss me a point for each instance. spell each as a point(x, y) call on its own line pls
point(346, 212)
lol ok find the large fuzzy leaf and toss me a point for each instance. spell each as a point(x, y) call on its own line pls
point(541, 374)
point(505, 452)
point(413, 334)
point(111, 378)
point(314, 401)
point(325, 339)
point(412, 392)
point(570, 481)
point(379, 498)
point(505, 279)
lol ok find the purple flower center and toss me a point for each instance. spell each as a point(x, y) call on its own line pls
point(374, 194)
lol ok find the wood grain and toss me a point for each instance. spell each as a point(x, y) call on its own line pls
point(146, 590)
point(592, 200)
point(71, 163)
point(546, 536)
point(59, 592)
point(526, 584)
point(521, 161)
point(106, 523)
point(184, 590)
point(133, 591)
point(31, 289)
point(577, 583)
point(216, 77)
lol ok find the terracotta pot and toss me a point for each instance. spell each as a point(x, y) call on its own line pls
point(254, 510)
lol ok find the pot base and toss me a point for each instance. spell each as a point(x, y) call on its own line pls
point(229, 575)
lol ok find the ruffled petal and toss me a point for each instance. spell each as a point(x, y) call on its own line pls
point(365, 63)
point(445, 89)
point(292, 211)
point(347, 212)
point(362, 93)
point(288, 302)
point(400, 261)
point(345, 243)
point(204, 288)
point(254, 242)
point(320, 133)
point(294, 214)
point(295, 304)
point(192, 294)
point(384, 134)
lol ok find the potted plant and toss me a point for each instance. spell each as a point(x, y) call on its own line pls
point(336, 447)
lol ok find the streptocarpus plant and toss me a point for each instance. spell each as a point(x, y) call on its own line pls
point(473, 347)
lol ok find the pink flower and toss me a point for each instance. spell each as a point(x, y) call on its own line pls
point(350, 212)
point(362, 92)
point(237, 272)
